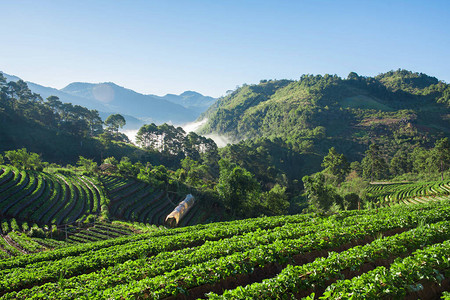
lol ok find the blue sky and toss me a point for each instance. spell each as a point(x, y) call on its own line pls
point(211, 46)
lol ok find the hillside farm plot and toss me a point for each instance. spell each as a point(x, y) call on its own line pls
point(264, 258)
point(134, 200)
point(45, 198)
point(408, 193)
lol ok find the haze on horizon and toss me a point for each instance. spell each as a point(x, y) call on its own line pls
point(160, 47)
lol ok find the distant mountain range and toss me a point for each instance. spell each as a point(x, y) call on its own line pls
point(137, 108)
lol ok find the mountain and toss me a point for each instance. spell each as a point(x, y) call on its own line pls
point(396, 109)
point(137, 108)
point(191, 100)
point(45, 92)
point(148, 108)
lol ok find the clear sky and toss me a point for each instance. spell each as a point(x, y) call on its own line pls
point(211, 46)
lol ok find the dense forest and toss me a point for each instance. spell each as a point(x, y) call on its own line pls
point(397, 110)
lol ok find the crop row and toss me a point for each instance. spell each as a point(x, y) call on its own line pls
point(98, 233)
point(408, 275)
point(389, 194)
point(300, 280)
point(8, 249)
point(18, 239)
point(214, 271)
point(46, 198)
point(200, 233)
point(329, 233)
point(138, 269)
point(138, 201)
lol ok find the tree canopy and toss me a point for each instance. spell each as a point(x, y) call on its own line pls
point(115, 121)
point(22, 159)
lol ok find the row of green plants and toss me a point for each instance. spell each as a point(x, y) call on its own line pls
point(138, 201)
point(46, 198)
point(25, 238)
point(160, 263)
point(404, 276)
point(25, 242)
point(262, 241)
point(7, 249)
point(401, 192)
point(202, 233)
point(280, 252)
point(317, 274)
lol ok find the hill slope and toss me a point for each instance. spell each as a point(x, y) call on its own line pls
point(317, 112)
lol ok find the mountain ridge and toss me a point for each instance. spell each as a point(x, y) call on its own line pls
point(108, 97)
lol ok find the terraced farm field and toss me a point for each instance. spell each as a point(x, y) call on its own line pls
point(18, 242)
point(45, 198)
point(135, 200)
point(396, 252)
point(409, 193)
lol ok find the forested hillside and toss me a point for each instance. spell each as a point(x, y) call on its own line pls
point(398, 110)
point(59, 131)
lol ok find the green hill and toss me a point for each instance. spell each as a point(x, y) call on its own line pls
point(316, 112)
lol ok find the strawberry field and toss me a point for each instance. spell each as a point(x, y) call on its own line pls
point(396, 252)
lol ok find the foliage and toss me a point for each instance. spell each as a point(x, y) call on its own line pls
point(238, 189)
point(24, 160)
point(321, 196)
point(88, 164)
point(336, 164)
point(275, 201)
point(354, 191)
point(440, 156)
point(192, 172)
point(374, 164)
point(114, 122)
point(400, 163)
point(126, 167)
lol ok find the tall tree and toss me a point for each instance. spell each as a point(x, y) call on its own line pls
point(400, 163)
point(320, 195)
point(114, 122)
point(374, 165)
point(336, 164)
point(276, 201)
point(148, 136)
point(441, 155)
point(238, 189)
